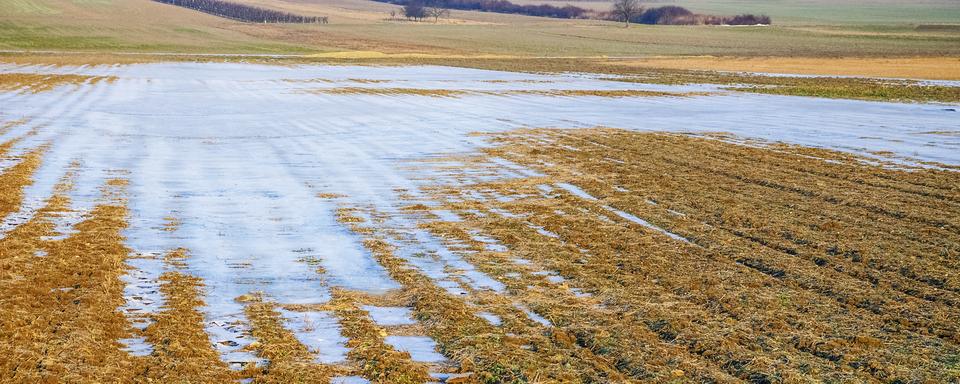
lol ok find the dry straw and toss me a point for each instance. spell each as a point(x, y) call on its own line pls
point(839, 268)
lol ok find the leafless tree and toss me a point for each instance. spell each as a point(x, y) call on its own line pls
point(437, 13)
point(626, 10)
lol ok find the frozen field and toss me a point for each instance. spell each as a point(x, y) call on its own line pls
point(259, 176)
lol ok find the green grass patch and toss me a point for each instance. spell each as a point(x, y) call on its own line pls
point(862, 91)
point(43, 38)
point(29, 7)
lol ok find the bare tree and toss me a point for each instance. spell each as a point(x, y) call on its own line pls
point(626, 10)
point(437, 13)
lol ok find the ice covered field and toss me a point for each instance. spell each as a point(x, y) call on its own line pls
point(232, 162)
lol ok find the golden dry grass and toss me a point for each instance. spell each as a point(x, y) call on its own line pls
point(31, 82)
point(182, 351)
point(17, 177)
point(378, 362)
point(617, 93)
point(629, 348)
point(520, 351)
point(798, 268)
point(389, 91)
point(927, 68)
point(78, 59)
point(6, 126)
point(289, 360)
point(510, 92)
point(61, 320)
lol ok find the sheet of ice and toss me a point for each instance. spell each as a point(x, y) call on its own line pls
point(533, 315)
point(489, 243)
point(141, 291)
point(46, 115)
point(841, 124)
point(421, 348)
point(490, 318)
point(544, 232)
point(448, 216)
point(645, 223)
point(556, 279)
point(580, 293)
point(390, 316)
point(434, 258)
point(545, 189)
point(136, 346)
point(349, 380)
point(444, 377)
point(579, 192)
point(320, 332)
point(576, 191)
point(507, 214)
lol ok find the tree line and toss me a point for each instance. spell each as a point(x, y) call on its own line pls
point(630, 11)
point(244, 12)
point(496, 6)
point(417, 11)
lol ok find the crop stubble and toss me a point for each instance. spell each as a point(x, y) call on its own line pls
point(802, 265)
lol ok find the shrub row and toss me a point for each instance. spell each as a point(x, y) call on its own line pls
point(674, 15)
point(501, 6)
point(244, 12)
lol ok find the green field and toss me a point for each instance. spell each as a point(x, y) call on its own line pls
point(810, 12)
point(820, 12)
point(361, 25)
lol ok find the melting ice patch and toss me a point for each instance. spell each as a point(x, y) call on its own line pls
point(349, 380)
point(533, 315)
point(577, 191)
point(490, 318)
point(390, 316)
point(136, 346)
point(421, 348)
point(320, 332)
point(645, 223)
